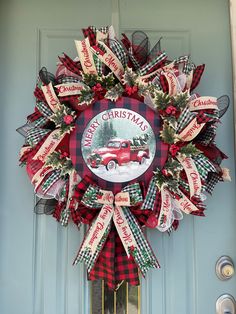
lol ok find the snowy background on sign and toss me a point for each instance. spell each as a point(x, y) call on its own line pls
point(124, 173)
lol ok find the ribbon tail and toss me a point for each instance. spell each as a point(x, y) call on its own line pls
point(165, 218)
point(86, 255)
point(74, 179)
point(142, 253)
point(95, 238)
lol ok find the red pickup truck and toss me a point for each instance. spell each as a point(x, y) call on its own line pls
point(118, 152)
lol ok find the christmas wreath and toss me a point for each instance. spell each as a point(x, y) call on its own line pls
point(118, 140)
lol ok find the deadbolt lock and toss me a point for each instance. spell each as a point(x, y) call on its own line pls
point(224, 268)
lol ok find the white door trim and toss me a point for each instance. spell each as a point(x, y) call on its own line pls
point(232, 8)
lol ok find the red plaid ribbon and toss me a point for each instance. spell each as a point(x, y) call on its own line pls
point(164, 83)
point(202, 117)
point(38, 93)
point(70, 64)
point(197, 74)
point(88, 32)
point(34, 116)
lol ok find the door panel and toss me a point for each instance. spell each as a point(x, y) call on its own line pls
point(36, 271)
point(187, 282)
point(36, 274)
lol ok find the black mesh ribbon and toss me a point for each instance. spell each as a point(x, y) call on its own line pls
point(45, 206)
point(223, 104)
point(46, 77)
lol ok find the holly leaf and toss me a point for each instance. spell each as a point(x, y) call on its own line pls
point(129, 78)
point(86, 96)
point(189, 150)
point(169, 182)
point(173, 167)
point(171, 120)
point(161, 100)
point(115, 92)
point(143, 89)
point(168, 134)
point(161, 180)
point(180, 101)
point(90, 79)
point(108, 81)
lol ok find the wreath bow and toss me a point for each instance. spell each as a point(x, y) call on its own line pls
point(115, 209)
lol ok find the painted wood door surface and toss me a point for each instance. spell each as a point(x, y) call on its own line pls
point(36, 275)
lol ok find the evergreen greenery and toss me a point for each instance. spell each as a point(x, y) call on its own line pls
point(106, 132)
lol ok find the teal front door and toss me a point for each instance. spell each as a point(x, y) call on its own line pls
point(36, 274)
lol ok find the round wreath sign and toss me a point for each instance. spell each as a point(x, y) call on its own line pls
point(119, 140)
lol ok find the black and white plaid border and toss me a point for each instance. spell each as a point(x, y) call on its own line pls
point(213, 179)
point(34, 135)
point(208, 135)
point(51, 179)
point(41, 121)
point(145, 259)
point(67, 79)
point(44, 109)
point(146, 67)
point(150, 198)
point(86, 255)
point(204, 166)
point(119, 51)
point(184, 119)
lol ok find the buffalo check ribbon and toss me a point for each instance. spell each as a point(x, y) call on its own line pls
point(115, 209)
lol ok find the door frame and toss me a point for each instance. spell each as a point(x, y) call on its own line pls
point(232, 8)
